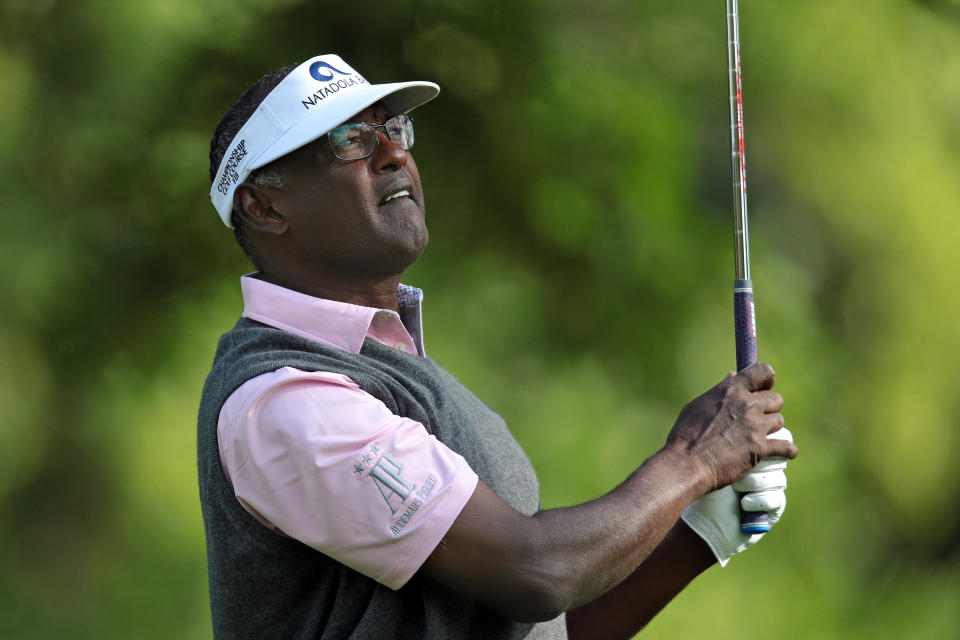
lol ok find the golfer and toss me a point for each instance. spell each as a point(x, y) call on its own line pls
point(353, 488)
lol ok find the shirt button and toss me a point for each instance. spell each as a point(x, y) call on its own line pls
point(402, 346)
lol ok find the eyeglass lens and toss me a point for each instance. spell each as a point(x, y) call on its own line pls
point(358, 140)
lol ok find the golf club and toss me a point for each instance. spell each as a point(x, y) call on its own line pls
point(745, 323)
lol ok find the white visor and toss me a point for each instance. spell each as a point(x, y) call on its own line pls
point(317, 96)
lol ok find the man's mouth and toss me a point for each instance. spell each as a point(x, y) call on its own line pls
point(400, 193)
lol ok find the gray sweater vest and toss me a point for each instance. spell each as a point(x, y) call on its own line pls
point(265, 586)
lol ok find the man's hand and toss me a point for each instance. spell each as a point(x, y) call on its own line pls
point(715, 517)
point(725, 430)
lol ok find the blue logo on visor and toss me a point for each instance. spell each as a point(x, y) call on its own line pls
point(324, 76)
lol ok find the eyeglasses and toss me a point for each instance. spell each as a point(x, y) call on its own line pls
point(359, 140)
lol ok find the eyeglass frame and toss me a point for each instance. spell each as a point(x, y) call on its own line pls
point(406, 120)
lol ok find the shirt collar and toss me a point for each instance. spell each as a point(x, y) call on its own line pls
point(337, 324)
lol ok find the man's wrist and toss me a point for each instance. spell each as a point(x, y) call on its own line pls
point(694, 474)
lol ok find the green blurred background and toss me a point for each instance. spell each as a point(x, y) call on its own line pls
point(577, 174)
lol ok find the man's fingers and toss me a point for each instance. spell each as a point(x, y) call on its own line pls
point(770, 464)
point(780, 449)
point(763, 501)
point(758, 377)
point(773, 422)
point(771, 401)
point(761, 481)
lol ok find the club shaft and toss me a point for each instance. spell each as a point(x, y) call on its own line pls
point(737, 147)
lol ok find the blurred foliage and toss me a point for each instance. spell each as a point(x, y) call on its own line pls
point(577, 174)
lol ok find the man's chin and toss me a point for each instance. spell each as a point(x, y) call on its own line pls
point(412, 241)
point(401, 255)
point(412, 252)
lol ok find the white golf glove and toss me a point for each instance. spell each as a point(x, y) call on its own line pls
point(716, 516)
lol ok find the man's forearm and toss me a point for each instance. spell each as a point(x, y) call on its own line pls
point(629, 524)
point(628, 607)
point(559, 559)
point(534, 568)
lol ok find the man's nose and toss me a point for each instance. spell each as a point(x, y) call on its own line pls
point(389, 156)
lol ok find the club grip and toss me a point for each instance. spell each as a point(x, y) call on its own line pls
point(745, 322)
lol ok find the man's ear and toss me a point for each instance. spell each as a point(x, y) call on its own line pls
point(254, 204)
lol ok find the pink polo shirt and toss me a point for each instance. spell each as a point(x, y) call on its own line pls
point(314, 457)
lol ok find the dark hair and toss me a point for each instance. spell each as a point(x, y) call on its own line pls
point(224, 134)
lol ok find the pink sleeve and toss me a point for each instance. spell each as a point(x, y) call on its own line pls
point(328, 464)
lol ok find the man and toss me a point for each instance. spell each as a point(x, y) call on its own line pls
point(350, 486)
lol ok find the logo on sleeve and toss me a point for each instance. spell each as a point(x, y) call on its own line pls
point(385, 472)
